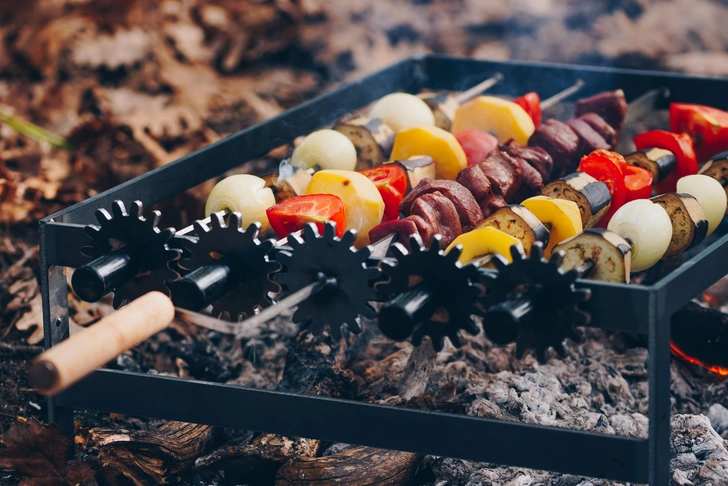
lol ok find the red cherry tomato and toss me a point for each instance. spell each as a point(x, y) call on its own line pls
point(679, 144)
point(638, 182)
point(391, 181)
point(531, 102)
point(607, 167)
point(293, 214)
point(708, 127)
point(476, 144)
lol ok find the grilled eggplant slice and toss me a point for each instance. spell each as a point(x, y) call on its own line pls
point(417, 168)
point(290, 187)
point(372, 138)
point(443, 106)
point(520, 223)
point(609, 252)
point(717, 168)
point(592, 196)
point(659, 162)
point(689, 224)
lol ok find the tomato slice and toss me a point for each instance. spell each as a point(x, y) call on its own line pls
point(707, 126)
point(293, 214)
point(391, 181)
point(531, 102)
point(607, 167)
point(679, 144)
point(638, 182)
point(476, 144)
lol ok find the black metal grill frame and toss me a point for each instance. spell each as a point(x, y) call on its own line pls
point(634, 308)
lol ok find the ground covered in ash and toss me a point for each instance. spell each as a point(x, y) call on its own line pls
point(135, 84)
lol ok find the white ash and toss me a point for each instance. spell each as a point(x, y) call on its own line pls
point(600, 386)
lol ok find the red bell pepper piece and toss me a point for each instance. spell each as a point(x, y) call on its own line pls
point(607, 167)
point(679, 144)
point(531, 102)
point(293, 214)
point(476, 144)
point(638, 182)
point(391, 181)
point(708, 127)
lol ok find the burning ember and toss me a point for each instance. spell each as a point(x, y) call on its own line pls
point(713, 369)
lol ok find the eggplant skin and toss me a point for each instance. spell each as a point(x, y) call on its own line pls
point(443, 106)
point(519, 222)
point(417, 168)
point(689, 224)
point(610, 253)
point(659, 162)
point(372, 138)
point(592, 196)
point(717, 168)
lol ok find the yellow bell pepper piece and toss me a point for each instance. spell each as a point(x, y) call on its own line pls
point(483, 241)
point(439, 144)
point(562, 217)
point(363, 203)
point(502, 118)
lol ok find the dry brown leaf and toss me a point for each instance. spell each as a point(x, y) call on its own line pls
point(123, 48)
point(37, 454)
point(33, 319)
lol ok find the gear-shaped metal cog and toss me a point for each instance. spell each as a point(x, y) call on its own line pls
point(247, 256)
point(140, 237)
point(348, 270)
point(452, 287)
point(533, 302)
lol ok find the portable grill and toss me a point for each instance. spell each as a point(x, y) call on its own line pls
point(644, 309)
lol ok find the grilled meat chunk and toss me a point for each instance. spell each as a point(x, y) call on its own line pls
point(467, 208)
point(403, 228)
point(474, 180)
point(589, 140)
point(531, 183)
point(601, 127)
point(559, 141)
point(536, 157)
point(440, 215)
point(610, 105)
point(503, 172)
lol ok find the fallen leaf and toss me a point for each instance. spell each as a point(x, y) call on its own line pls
point(38, 456)
point(33, 318)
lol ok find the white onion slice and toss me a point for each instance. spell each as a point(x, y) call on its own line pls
point(402, 110)
point(710, 195)
point(648, 229)
point(245, 194)
point(325, 149)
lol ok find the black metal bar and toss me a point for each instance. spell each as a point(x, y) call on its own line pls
point(54, 292)
point(470, 438)
point(63, 244)
point(659, 391)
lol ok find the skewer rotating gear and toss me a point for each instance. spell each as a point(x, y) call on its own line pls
point(533, 302)
point(229, 268)
point(344, 270)
point(433, 294)
point(130, 255)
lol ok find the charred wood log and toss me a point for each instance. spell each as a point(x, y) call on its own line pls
point(417, 372)
point(160, 456)
point(700, 335)
point(313, 367)
point(358, 466)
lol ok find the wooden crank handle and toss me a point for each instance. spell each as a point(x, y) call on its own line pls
point(66, 363)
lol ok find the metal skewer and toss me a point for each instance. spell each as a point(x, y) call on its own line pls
point(479, 88)
point(562, 95)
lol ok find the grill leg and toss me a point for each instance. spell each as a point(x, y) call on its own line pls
point(54, 289)
point(659, 411)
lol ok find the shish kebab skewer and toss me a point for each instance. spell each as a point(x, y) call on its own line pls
point(506, 321)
